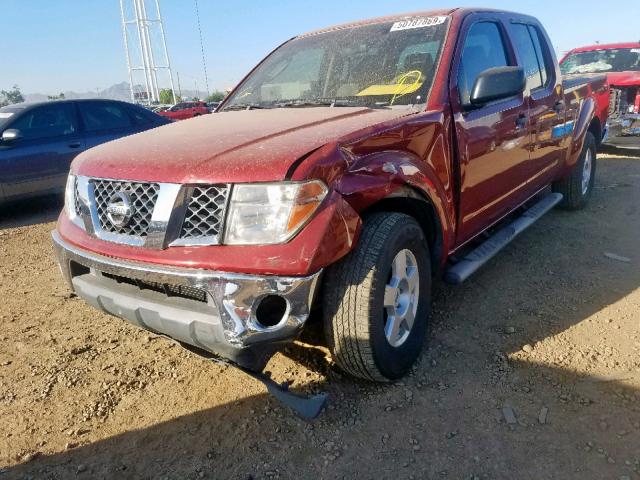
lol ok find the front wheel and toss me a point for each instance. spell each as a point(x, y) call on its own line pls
point(376, 302)
point(577, 188)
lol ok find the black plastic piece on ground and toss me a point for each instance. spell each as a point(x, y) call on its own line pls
point(308, 407)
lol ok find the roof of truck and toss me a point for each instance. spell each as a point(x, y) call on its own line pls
point(607, 46)
point(404, 16)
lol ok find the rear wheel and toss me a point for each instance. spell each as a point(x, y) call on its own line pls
point(376, 301)
point(577, 188)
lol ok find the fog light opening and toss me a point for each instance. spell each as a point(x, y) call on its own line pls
point(271, 311)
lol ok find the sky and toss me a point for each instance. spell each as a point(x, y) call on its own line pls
point(52, 46)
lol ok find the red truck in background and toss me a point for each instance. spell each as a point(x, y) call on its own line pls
point(352, 167)
point(621, 63)
point(184, 110)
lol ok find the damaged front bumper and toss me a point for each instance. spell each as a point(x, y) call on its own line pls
point(624, 131)
point(240, 317)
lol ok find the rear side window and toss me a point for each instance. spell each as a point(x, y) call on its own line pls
point(103, 116)
point(543, 56)
point(142, 116)
point(527, 42)
point(56, 120)
point(483, 49)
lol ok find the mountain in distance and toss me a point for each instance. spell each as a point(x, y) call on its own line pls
point(119, 91)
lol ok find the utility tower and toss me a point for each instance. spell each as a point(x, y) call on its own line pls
point(146, 50)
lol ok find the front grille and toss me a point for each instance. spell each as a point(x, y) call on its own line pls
point(170, 290)
point(143, 198)
point(76, 197)
point(205, 212)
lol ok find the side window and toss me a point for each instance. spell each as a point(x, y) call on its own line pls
point(483, 49)
point(103, 116)
point(542, 54)
point(523, 43)
point(47, 121)
point(141, 116)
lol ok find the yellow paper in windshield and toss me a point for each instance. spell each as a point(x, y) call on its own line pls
point(406, 83)
point(395, 89)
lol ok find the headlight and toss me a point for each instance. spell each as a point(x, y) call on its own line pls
point(267, 213)
point(70, 197)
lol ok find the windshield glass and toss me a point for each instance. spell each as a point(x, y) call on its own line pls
point(382, 64)
point(611, 60)
point(7, 113)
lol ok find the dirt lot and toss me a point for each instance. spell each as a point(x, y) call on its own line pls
point(547, 337)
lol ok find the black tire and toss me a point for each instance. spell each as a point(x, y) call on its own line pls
point(571, 187)
point(353, 302)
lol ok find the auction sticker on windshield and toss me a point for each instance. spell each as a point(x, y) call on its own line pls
point(417, 23)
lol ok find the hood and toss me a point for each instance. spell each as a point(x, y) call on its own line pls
point(623, 79)
point(228, 147)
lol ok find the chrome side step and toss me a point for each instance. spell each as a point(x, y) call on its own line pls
point(475, 259)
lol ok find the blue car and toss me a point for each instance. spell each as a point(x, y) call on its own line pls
point(38, 141)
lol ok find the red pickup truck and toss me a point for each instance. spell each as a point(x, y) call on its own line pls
point(184, 110)
point(621, 63)
point(352, 167)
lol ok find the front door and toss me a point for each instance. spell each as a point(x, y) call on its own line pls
point(493, 141)
point(39, 161)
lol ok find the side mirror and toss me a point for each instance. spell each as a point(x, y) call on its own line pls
point(497, 84)
point(11, 135)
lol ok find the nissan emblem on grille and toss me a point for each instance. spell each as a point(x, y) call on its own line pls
point(110, 198)
point(120, 210)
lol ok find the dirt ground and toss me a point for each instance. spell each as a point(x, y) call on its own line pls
point(532, 371)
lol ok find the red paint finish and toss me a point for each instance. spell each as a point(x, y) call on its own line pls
point(330, 235)
point(227, 147)
point(473, 167)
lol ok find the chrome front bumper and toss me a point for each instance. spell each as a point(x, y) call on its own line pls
point(223, 322)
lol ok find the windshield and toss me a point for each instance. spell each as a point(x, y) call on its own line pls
point(612, 60)
point(383, 64)
point(7, 113)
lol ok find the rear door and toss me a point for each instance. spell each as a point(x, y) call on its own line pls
point(39, 161)
point(550, 135)
point(492, 141)
point(104, 121)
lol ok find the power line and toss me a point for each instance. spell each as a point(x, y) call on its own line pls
point(204, 63)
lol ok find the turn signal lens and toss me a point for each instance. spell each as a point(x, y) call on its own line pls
point(308, 199)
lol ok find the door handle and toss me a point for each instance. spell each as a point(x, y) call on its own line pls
point(75, 145)
point(521, 121)
point(559, 106)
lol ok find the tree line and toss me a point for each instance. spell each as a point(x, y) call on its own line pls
point(9, 97)
point(166, 97)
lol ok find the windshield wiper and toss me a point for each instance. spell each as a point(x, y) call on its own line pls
point(246, 106)
point(329, 102)
point(305, 103)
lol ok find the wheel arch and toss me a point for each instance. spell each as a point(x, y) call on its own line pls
point(595, 127)
point(412, 202)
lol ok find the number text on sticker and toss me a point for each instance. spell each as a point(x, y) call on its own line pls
point(417, 23)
